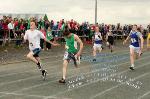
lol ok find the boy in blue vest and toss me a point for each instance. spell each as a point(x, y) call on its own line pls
point(136, 44)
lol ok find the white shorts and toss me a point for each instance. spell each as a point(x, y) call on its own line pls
point(136, 49)
point(97, 46)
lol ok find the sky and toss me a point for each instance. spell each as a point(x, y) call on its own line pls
point(109, 11)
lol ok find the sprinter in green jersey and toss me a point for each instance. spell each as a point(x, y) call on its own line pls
point(72, 53)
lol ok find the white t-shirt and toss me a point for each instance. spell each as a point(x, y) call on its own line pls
point(34, 38)
point(10, 26)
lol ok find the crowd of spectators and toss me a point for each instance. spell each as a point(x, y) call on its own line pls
point(13, 28)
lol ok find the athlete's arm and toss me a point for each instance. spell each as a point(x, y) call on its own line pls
point(125, 41)
point(25, 37)
point(106, 36)
point(54, 44)
point(148, 38)
point(81, 44)
point(93, 39)
point(45, 39)
point(141, 39)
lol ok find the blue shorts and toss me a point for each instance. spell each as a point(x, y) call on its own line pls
point(36, 52)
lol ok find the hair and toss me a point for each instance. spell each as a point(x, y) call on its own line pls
point(66, 31)
point(33, 21)
point(139, 29)
point(135, 25)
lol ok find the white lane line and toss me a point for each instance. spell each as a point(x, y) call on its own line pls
point(4, 64)
point(53, 80)
point(56, 80)
point(56, 57)
point(97, 64)
point(99, 80)
point(73, 76)
point(5, 83)
point(33, 70)
point(38, 96)
point(145, 94)
point(103, 92)
point(26, 60)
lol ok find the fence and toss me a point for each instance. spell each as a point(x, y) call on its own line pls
point(5, 36)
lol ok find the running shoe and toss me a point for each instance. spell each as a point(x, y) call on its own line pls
point(44, 73)
point(62, 81)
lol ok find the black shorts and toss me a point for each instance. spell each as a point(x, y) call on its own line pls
point(36, 52)
point(111, 42)
point(68, 56)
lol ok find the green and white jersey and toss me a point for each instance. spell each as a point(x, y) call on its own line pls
point(71, 44)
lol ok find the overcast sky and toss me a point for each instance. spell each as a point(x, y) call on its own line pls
point(109, 11)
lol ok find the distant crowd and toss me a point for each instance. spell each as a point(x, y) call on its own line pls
point(15, 27)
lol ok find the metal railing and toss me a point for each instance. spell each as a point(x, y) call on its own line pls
point(5, 35)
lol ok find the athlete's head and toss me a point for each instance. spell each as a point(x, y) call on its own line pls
point(97, 29)
point(32, 25)
point(66, 32)
point(134, 28)
point(49, 28)
point(139, 29)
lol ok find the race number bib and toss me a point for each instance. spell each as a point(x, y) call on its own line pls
point(133, 40)
point(67, 47)
point(66, 55)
